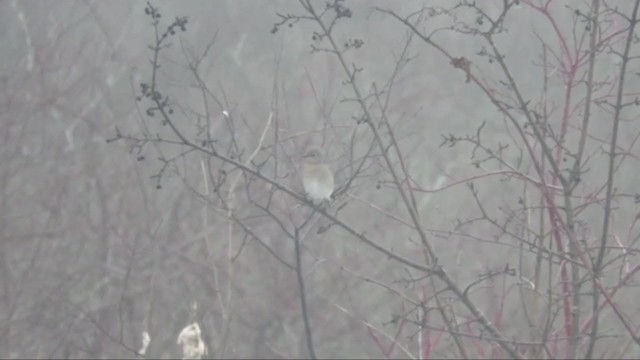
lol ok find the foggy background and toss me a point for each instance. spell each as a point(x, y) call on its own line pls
point(92, 253)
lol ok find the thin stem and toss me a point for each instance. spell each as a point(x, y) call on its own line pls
point(597, 266)
point(303, 298)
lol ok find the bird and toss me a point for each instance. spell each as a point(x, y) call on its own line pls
point(317, 177)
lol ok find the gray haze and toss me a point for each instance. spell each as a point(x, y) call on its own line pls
point(93, 254)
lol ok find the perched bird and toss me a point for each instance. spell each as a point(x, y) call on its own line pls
point(317, 177)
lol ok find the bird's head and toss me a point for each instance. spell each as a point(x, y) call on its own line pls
point(313, 156)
